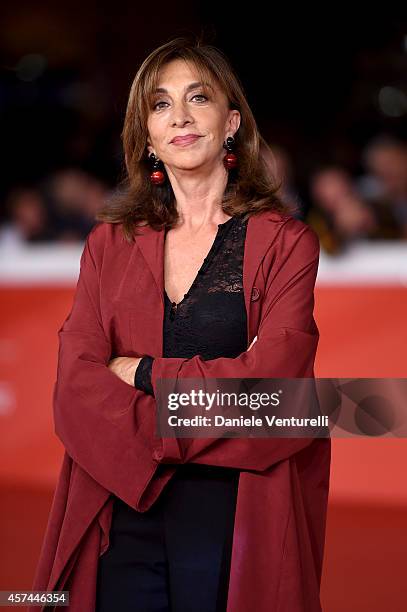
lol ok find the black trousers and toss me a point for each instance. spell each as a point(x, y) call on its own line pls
point(175, 556)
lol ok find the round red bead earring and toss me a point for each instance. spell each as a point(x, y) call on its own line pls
point(230, 159)
point(157, 177)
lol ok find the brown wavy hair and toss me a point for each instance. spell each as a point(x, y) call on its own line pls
point(251, 188)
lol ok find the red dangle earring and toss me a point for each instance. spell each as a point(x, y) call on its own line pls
point(157, 176)
point(230, 159)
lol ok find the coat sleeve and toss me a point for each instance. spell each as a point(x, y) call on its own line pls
point(286, 345)
point(104, 424)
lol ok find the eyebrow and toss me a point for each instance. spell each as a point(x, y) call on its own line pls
point(188, 88)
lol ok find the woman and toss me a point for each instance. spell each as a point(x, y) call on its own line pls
point(197, 270)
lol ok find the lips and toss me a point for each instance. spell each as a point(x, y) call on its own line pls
point(185, 139)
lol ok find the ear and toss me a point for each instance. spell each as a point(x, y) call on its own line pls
point(233, 123)
point(150, 148)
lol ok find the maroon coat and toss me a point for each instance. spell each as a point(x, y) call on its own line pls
point(108, 427)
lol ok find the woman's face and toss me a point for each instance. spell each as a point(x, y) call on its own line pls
point(183, 109)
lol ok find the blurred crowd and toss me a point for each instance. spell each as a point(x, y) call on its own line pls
point(372, 206)
point(61, 207)
point(342, 208)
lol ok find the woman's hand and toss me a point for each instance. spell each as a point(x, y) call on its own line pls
point(125, 368)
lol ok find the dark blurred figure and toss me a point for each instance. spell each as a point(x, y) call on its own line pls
point(27, 218)
point(340, 214)
point(279, 162)
point(73, 198)
point(385, 185)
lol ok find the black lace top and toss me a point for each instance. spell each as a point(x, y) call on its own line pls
point(210, 320)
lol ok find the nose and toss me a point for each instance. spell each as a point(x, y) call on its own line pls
point(181, 115)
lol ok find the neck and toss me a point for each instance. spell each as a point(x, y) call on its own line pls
point(198, 195)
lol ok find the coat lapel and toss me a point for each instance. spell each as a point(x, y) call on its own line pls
point(151, 244)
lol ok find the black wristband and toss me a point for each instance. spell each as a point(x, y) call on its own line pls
point(142, 376)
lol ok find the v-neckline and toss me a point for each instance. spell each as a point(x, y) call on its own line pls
point(205, 261)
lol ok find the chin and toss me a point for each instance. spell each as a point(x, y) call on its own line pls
point(192, 162)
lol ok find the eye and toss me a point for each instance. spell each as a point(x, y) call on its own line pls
point(199, 96)
point(157, 104)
